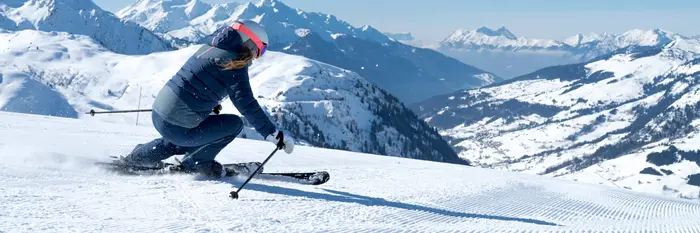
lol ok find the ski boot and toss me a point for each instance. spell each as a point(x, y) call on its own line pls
point(234, 169)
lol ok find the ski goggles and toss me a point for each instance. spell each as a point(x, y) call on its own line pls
point(261, 47)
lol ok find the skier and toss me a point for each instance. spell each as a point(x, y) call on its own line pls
point(182, 109)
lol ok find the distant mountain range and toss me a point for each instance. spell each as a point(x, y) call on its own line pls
point(507, 55)
point(410, 73)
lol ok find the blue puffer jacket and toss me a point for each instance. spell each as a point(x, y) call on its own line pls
point(191, 94)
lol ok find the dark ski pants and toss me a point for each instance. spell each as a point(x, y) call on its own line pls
point(200, 145)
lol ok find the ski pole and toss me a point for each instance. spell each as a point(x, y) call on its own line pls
point(92, 112)
point(234, 194)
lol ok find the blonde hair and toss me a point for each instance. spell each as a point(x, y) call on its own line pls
point(245, 55)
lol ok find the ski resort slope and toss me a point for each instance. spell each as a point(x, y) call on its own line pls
point(49, 184)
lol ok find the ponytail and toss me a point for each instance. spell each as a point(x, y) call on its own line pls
point(245, 56)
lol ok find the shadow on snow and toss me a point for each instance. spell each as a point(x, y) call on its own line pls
point(340, 196)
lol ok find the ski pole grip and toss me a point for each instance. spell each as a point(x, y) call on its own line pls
point(280, 142)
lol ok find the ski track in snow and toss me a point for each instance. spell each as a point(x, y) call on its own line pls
point(48, 184)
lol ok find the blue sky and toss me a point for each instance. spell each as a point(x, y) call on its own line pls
point(544, 19)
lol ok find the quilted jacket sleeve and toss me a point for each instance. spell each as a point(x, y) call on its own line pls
point(242, 97)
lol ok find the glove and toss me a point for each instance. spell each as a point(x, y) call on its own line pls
point(282, 141)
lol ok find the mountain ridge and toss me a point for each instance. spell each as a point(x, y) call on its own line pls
point(508, 55)
point(153, 15)
point(484, 36)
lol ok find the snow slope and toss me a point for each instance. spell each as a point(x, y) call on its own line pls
point(507, 55)
point(80, 17)
point(50, 185)
point(67, 75)
point(589, 117)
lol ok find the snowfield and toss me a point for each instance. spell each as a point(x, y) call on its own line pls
point(49, 184)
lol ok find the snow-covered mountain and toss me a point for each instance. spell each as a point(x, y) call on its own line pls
point(322, 37)
point(80, 17)
point(502, 38)
point(507, 55)
point(606, 121)
point(61, 74)
point(194, 20)
point(50, 183)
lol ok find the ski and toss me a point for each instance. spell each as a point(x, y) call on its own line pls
point(232, 169)
point(310, 178)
